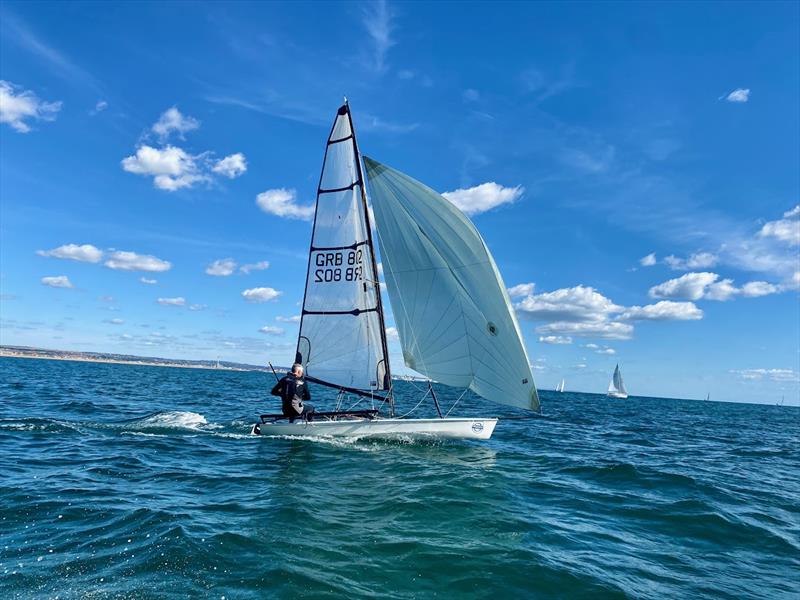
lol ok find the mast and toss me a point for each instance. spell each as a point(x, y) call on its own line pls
point(387, 378)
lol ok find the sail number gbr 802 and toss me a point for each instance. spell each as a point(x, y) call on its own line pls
point(338, 266)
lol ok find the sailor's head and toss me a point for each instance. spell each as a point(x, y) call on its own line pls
point(297, 370)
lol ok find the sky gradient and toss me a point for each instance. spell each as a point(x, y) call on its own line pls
point(634, 169)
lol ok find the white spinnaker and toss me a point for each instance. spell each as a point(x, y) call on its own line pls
point(341, 332)
point(452, 311)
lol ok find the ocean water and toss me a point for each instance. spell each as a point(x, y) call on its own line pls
point(121, 481)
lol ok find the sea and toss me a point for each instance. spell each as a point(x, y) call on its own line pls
point(122, 481)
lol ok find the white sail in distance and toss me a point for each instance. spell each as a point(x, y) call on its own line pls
point(453, 314)
point(342, 340)
point(616, 384)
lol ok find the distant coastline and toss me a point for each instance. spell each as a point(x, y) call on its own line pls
point(126, 359)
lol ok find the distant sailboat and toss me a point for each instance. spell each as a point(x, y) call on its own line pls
point(560, 387)
point(616, 388)
point(708, 396)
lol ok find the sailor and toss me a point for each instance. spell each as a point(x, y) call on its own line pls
point(293, 392)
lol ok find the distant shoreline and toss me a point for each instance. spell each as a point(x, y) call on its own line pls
point(66, 355)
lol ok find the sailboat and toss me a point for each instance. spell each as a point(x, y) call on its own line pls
point(453, 315)
point(616, 388)
point(560, 387)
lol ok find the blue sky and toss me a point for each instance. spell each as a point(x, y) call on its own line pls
point(634, 168)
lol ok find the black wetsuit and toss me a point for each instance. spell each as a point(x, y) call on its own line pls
point(293, 392)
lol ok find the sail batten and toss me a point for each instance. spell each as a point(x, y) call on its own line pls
point(453, 315)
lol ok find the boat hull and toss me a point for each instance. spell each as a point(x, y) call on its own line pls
point(460, 428)
point(620, 395)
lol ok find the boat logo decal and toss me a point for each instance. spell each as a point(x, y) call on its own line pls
point(477, 427)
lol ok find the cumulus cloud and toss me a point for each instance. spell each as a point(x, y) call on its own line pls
point(483, 197)
point(231, 166)
point(172, 168)
point(114, 321)
point(739, 95)
point(258, 266)
point(58, 281)
point(555, 339)
point(81, 253)
point(691, 286)
point(579, 303)
point(294, 319)
point(698, 260)
point(172, 120)
point(282, 202)
point(197, 307)
point(130, 261)
point(649, 260)
point(786, 230)
point(270, 330)
point(597, 349)
point(521, 290)
point(772, 374)
point(707, 286)
point(665, 310)
point(148, 281)
point(611, 330)
point(99, 107)
point(392, 335)
point(222, 267)
point(18, 106)
point(260, 294)
point(179, 301)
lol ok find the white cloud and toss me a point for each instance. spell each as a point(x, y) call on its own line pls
point(611, 330)
point(377, 20)
point(665, 310)
point(197, 307)
point(773, 374)
point(483, 197)
point(294, 319)
point(283, 203)
point(114, 321)
point(270, 330)
point(173, 120)
point(231, 166)
point(179, 301)
point(148, 281)
point(606, 350)
point(786, 230)
point(18, 106)
point(258, 266)
point(521, 290)
point(698, 260)
point(171, 167)
point(260, 294)
point(649, 260)
point(60, 281)
point(555, 339)
point(754, 289)
point(392, 335)
point(222, 267)
point(106, 298)
point(579, 303)
point(691, 286)
point(99, 107)
point(722, 290)
point(130, 261)
point(738, 95)
point(82, 253)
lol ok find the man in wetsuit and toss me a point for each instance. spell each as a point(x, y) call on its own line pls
point(293, 392)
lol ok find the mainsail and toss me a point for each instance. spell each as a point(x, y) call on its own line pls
point(452, 311)
point(616, 384)
point(342, 339)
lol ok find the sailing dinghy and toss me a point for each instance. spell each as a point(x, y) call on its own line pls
point(453, 315)
point(616, 388)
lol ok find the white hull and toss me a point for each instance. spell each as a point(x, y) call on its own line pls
point(620, 395)
point(470, 429)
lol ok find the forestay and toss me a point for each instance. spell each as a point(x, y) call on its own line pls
point(342, 337)
point(453, 314)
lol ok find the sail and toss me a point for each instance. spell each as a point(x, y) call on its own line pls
point(560, 387)
point(342, 338)
point(616, 384)
point(453, 314)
